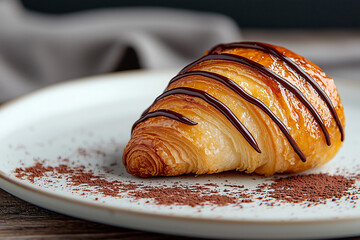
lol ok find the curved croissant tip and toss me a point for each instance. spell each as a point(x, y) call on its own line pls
point(141, 164)
point(140, 168)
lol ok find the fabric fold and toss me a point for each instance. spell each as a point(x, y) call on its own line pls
point(37, 49)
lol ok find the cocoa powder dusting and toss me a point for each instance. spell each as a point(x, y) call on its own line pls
point(308, 190)
point(313, 188)
point(186, 195)
point(30, 173)
point(162, 195)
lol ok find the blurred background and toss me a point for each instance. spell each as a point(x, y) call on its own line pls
point(247, 14)
point(43, 42)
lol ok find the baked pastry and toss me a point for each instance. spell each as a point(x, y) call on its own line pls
point(246, 106)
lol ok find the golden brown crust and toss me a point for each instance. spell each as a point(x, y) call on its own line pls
point(165, 147)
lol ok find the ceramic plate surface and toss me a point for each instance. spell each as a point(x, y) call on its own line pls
point(87, 123)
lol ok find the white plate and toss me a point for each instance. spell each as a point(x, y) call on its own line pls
point(98, 113)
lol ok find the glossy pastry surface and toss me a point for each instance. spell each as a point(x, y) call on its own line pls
point(244, 106)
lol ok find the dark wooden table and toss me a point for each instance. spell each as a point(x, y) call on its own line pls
point(22, 220)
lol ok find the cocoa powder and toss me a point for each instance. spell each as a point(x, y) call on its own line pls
point(309, 190)
point(162, 195)
point(313, 188)
point(184, 195)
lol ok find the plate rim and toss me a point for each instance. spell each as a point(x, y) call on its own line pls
point(80, 80)
point(119, 210)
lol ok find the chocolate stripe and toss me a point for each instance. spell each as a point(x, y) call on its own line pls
point(265, 71)
point(164, 113)
point(218, 105)
point(290, 63)
point(240, 91)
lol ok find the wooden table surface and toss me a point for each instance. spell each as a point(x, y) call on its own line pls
point(22, 220)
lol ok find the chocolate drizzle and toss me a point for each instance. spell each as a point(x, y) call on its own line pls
point(216, 54)
point(164, 113)
point(265, 71)
point(292, 65)
point(218, 105)
point(240, 91)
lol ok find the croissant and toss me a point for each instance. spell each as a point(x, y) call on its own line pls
point(245, 106)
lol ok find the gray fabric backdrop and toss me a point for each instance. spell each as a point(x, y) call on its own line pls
point(38, 50)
